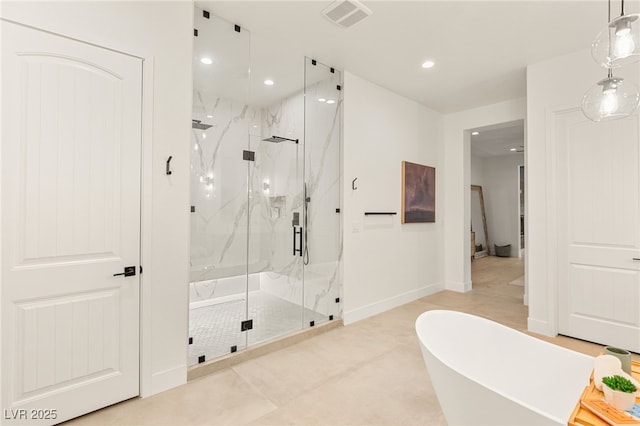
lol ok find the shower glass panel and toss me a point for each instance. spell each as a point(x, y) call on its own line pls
point(276, 209)
point(323, 248)
point(222, 116)
point(265, 194)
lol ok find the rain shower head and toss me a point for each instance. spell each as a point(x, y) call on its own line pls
point(278, 139)
point(197, 124)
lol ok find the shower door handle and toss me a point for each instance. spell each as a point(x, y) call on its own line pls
point(297, 232)
point(300, 235)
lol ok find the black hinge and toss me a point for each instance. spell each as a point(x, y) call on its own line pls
point(337, 210)
point(313, 62)
point(201, 359)
point(237, 28)
point(249, 155)
point(332, 70)
point(339, 87)
point(246, 325)
point(191, 340)
point(337, 300)
point(312, 323)
point(195, 32)
point(205, 14)
point(193, 209)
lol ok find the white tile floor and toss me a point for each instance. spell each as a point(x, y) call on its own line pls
point(216, 328)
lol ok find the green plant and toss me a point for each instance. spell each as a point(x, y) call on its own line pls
point(619, 383)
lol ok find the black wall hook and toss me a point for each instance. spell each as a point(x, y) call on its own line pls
point(353, 184)
point(168, 169)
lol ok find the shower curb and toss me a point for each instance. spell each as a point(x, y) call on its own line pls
point(230, 360)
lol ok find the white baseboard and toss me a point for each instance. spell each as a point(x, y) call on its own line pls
point(540, 327)
point(372, 309)
point(167, 379)
point(461, 287)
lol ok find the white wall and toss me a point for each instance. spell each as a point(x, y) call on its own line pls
point(386, 263)
point(457, 183)
point(552, 85)
point(501, 201)
point(477, 170)
point(165, 44)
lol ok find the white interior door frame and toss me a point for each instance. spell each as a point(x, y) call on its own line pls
point(147, 386)
point(552, 210)
point(146, 216)
point(552, 289)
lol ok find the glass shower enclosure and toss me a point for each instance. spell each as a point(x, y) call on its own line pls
point(265, 197)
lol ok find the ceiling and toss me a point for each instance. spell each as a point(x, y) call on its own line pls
point(498, 140)
point(480, 48)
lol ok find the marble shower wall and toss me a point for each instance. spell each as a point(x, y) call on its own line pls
point(275, 192)
point(219, 190)
point(323, 124)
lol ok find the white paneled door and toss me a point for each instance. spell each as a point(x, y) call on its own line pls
point(71, 142)
point(598, 184)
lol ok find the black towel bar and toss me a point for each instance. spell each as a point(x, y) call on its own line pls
point(378, 213)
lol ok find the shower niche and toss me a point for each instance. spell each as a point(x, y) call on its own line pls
point(265, 194)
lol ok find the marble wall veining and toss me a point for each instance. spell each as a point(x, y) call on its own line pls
point(244, 209)
point(322, 150)
point(219, 197)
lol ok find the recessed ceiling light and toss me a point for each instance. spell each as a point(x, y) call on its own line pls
point(322, 100)
point(268, 82)
point(513, 149)
point(428, 64)
point(331, 101)
point(206, 61)
point(475, 133)
point(209, 116)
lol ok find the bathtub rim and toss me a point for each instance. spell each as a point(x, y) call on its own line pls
point(447, 312)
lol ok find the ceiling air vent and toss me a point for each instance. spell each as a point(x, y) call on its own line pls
point(346, 12)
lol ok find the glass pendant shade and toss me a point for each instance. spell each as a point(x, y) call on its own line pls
point(619, 43)
point(610, 98)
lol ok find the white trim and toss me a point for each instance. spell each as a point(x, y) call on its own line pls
point(552, 242)
point(146, 228)
point(540, 327)
point(461, 287)
point(389, 303)
point(167, 379)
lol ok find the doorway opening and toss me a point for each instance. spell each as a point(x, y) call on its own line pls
point(496, 207)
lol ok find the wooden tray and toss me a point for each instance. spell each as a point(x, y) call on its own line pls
point(582, 416)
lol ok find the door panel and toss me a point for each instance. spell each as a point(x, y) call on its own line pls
point(322, 248)
point(598, 229)
point(70, 221)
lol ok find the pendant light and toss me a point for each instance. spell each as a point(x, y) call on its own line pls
point(612, 97)
point(619, 43)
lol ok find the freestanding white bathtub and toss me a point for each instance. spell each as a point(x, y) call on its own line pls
point(487, 374)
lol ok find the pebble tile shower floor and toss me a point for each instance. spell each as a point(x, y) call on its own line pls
point(216, 328)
